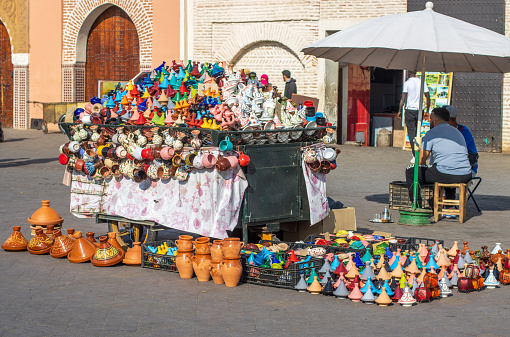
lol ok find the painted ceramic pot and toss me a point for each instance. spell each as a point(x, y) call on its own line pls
point(74, 147)
point(231, 270)
point(90, 238)
point(152, 172)
point(196, 142)
point(184, 263)
point(167, 153)
point(181, 174)
point(315, 166)
point(216, 274)
point(184, 243)
point(201, 266)
point(89, 156)
point(198, 161)
point(106, 255)
point(233, 161)
point(177, 160)
point(309, 156)
point(190, 157)
point(163, 172)
point(121, 152)
point(504, 277)
point(62, 245)
point(156, 139)
point(231, 248)
point(178, 145)
point(16, 241)
point(40, 243)
point(112, 240)
point(209, 160)
point(82, 250)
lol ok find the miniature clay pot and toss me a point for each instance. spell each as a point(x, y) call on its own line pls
point(16, 241)
point(201, 264)
point(217, 250)
point(106, 255)
point(216, 273)
point(231, 270)
point(133, 255)
point(45, 215)
point(184, 243)
point(40, 243)
point(112, 240)
point(231, 248)
point(82, 250)
point(62, 245)
point(184, 263)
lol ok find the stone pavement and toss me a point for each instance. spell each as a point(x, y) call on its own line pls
point(42, 296)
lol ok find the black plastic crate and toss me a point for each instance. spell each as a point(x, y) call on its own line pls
point(280, 278)
point(415, 242)
point(157, 261)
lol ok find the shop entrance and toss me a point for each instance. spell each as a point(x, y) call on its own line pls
point(6, 78)
point(112, 50)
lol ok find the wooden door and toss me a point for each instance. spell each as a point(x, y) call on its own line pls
point(112, 50)
point(6, 81)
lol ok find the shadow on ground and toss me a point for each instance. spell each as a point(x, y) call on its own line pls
point(14, 162)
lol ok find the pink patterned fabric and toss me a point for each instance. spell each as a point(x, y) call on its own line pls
point(207, 204)
point(316, 190)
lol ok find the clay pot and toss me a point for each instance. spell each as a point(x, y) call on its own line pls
point(422, 294)
point(133, 255)
point(201, 266)
point(217, 251)
point(82, 250)
point(90, 238)
point(49, 230)
point(504, 277)
point(184, 242)
point(231, 270)
point(231, 248)
point(45, 215)
point(202, 246)
point(40, 243)
point(112, 240)
point(62, 245)
point(16, 241)
point(184, 263)
point(216, 274)
point(106, 255)
point(222, 165)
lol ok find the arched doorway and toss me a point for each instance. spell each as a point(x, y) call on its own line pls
point(112, 50)
point(6, 81)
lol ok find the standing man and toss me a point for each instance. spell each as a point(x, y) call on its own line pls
point(411, 100)
point(290, 84)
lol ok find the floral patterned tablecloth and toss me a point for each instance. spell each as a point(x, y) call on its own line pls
point(316, 191)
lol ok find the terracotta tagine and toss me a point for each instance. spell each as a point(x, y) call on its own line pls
point(231, 248)
point(216, 274)
point(184, 263)
point(40, 243)
point(45, 216)
point(62, 245)
point(16, 241)
point(106, 255)
point(383, 300)
point(202, 246)
point(231, 270)
point(112, 240)
point(201, 266)
point(133, 256)
point(90, 238)
point(217, 251)
point(184, 243)
point(82, 249)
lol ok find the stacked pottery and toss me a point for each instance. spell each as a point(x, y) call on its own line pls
point(216, 261)
point(183, 260)
point(45, 216)
point(16, 241)
point(202, 259)
point(231, 268)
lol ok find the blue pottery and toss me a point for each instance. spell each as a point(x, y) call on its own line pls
point(395, 264)
point(312, 275)
point(181, 74)
point(335, 263)
point(357, 261)
point(110, 104)
point(368, 285)
point(388, 253)
point(258, 259)
point(432, 264)
point(388, 288)
point(164, 84)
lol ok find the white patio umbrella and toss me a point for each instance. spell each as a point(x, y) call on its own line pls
point(418, 41)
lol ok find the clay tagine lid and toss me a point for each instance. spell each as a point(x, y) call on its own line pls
point(45, 215)
point(16, 241)
point(133, 256)
point(82, 250)
point(106, 255)
point(62, 245)
point(40, 243)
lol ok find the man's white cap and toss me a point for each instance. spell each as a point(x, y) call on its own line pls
point(452, 110)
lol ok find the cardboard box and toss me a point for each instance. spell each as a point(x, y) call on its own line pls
point(340, 219)
point(398, 138)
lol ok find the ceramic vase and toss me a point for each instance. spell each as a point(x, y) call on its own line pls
point(133, 256)
point(106, 255)
point(82, 250)
point(201, 266)
point(40, 243)
point(184, 243)
point(231, 270)
point(202, 245)
point(231, 248)
point(184, 263)
point(217, 250)
point(216, 274)
point(16, 241)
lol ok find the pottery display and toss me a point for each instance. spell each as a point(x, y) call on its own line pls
point(201, 266)
point(202, 246)
point(40, 243)
point(16, 241)
point(184, 243)
point(62, 245)
point(231, 270)
point(184, 263)
point(106, 255)
point(133, 256)
point(82, 249)
point(217, 250)
point(231, 248)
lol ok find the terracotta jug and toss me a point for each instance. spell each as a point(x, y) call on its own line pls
point(112, 240)
point(184, 243)
point(133, 255)
point(184, 263)
point(216, 274)
point(231, 270)
point(90, 238)
point(62, 245)
point(217, 251)
point(16, 241)
point(45, 215)
point(201, 264)
point(202, 246)
point(106, 255)
point(82, 249)
point(40, 243)
point(231, 248)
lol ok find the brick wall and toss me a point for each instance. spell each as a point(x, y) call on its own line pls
point(365, 9)
point(505, 123)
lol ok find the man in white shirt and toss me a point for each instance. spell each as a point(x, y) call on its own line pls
point(411, 100)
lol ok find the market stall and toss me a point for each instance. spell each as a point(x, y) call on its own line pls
point(199, 148)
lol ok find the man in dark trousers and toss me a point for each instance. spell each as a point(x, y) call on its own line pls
point(290, 84)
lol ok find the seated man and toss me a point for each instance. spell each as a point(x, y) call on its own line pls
point(448, 155)
point(468, 137)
